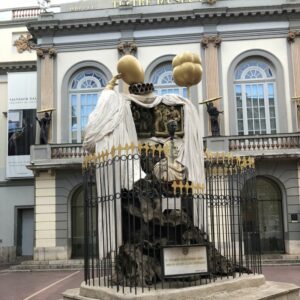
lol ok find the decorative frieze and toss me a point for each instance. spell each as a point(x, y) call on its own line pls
point(43, 52)
point(127, 48)
point(213, 39)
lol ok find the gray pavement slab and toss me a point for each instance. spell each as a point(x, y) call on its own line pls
point(37, 285)
point(289, 274)
point(49, 285)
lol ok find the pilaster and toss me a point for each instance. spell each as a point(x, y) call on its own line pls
point(294, 40)
point(47, 57)
point(46, 218)
point(126, 48)
point(211, 45)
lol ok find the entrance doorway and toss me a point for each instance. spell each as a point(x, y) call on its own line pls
point(77, 229)
point(77, 224)
point(25, 231)
point(270, 215)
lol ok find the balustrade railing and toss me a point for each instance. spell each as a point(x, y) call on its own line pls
point(236, 143)
point(61, 151)
point(264, 142)
point(26, 13)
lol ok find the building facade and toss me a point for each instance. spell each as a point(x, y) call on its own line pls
point(250, 57)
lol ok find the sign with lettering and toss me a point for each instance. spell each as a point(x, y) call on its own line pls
point(97, 4)
point(184, 260)
point(117, 3)
point(22, 98)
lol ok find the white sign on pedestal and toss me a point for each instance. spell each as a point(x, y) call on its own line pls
point(184, 260)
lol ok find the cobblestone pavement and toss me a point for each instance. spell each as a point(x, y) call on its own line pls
point(48, 285)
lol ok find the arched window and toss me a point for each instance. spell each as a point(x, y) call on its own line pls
point(255, 97)
point(84, 90)
point(163, 82)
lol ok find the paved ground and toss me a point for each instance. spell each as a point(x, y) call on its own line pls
point(50, 285)
point(290, 274)
point(37, 285)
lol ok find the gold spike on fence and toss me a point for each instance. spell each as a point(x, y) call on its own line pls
point(241, 162)
point(219, 158)
point(188, 186)
point(119, 151)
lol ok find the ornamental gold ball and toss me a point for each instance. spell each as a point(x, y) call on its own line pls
point(187, 69)
point(131, 69)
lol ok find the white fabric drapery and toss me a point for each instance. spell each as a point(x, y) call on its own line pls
point(111, 124)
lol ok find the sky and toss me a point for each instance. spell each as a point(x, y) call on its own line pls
point(24, 3)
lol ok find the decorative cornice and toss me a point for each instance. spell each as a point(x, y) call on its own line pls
point(24, 43)
point(17, 182)
point(67, 22)
point(127, 48)
point(43, 52)
point(213, 39)
point(17, 66)
point(292, 36)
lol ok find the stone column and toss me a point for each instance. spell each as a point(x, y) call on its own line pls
point(126, 48)
point(294, 40)
point(47, 56)
point(46, 218)
point(211, 45)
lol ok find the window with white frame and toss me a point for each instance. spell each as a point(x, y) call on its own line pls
point(163, 82)
point(255, 97)
point(84, 90)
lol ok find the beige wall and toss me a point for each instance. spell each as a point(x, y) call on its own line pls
point(45, 210)
point(231, 50)
point(8, 52)
point(48, 217)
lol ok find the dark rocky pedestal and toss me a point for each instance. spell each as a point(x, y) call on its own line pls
point(146, 229)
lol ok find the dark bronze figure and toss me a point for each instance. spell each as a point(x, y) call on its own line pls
point(214, 118)
point(172, 127)
point(44, 123)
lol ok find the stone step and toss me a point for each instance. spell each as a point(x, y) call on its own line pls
point(280, 259)
point(281, 262)
point(49, 265)
point(72, 264)
point(44, 267)
point(280, 256)
point(53, 262)
point(246, 288)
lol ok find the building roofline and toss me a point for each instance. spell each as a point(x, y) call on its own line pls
point(91, 21)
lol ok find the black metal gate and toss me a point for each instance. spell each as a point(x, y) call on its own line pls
point(154, 232)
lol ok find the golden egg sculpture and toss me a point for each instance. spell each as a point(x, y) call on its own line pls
point(131, 69)
point(187, 69)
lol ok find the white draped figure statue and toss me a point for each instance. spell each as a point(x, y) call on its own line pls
point(111, 124)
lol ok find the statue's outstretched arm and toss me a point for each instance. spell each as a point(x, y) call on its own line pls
point(113, 82)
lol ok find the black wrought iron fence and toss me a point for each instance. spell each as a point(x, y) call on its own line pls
point(148, 227)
